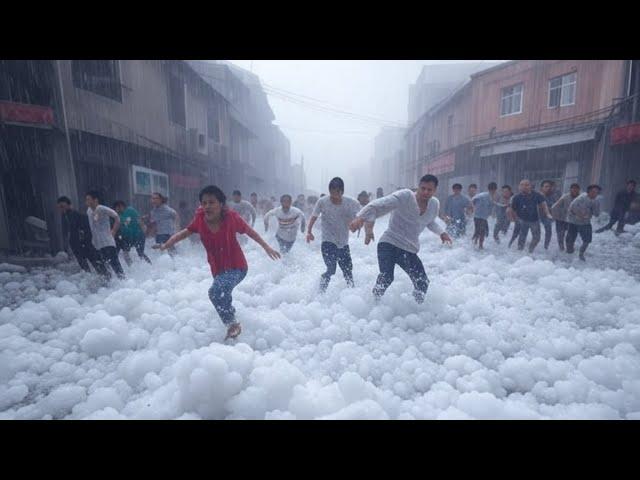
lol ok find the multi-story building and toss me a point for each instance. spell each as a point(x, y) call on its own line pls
point(126, 128)
point(551, 119)
point(260, 153)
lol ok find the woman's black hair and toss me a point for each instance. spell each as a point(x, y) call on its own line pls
point(118, 203)
point(215, 191)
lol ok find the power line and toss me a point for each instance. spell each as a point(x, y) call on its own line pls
point(331, 110)
point(326, 132)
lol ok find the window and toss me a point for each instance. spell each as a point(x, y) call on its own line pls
point(562, 90)
point(98, 76)
point(177, 109)
point(213, 124)
point(147, 181)
point(511, 100)
point(450, 130)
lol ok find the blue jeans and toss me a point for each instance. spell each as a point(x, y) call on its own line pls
point(284, 245)
point(388, 257)
point(220, 293)
point(333, 255)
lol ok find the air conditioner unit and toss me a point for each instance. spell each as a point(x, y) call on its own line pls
point(196, 142)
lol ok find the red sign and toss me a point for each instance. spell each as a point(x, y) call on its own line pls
point(24, 113)
point(625, 134)
point(442, 164)
point(184, 181)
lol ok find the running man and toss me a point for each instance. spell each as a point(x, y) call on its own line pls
point(337, 210)
point(622, 203)
point(218, 225)
point(131, 233)
point(77, 233)
point(410, 214)
point(581, 209)
point(164, 219)
point(456, 207)
point(502, 219)
point(300, 202)
point(482, 208)
point(288, 220)
point(559, 212)
point(245, 210)
point(253, 200)
point(548, 190)
point(526, 206)
point(363, 198)
point(102, 235)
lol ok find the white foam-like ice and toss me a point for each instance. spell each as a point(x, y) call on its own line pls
point(500, 335)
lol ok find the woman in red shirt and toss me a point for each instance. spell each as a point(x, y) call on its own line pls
point(217, 225)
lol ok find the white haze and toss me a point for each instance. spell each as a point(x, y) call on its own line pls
point(329, 142)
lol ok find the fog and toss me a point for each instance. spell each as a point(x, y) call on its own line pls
point(301, 92)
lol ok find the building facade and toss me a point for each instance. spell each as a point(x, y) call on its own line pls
point(126, 128)
point(550, 119)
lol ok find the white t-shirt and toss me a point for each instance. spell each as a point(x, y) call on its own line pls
point(406, 224)
point(288, 222)
point(101, 227)
point(336, 219)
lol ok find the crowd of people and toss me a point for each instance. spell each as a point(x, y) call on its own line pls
point(223, 227)
point(531, 211)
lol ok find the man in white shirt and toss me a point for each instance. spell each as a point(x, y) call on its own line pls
point(102, 234)
point(288, 220)
point(581, 210)
point(246, 211)
point(411, 213)
point(337, 210)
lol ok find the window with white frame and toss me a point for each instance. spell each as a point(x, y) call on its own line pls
point(511, 102)
point(147, 181)
point(562, 90)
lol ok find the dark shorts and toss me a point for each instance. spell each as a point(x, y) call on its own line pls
point(481, 227)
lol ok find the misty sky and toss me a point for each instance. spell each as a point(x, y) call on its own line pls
point(378, 88)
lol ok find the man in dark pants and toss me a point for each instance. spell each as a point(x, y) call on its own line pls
point(76, 231)
point(621, 205)
point(502, 220)
point(559, 212)
point(337, 211)
point(581, 209)
point(526, 207)
point(102, 234)
point(131, 233)
point(411, 212)
point(548, 191)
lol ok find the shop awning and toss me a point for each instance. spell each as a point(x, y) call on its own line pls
point(535, 142)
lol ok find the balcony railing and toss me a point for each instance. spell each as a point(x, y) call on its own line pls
point(593, 118)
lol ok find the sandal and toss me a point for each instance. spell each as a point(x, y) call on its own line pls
point(233, 331)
